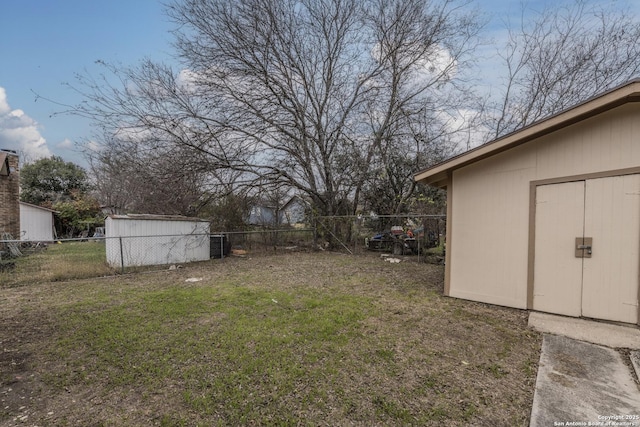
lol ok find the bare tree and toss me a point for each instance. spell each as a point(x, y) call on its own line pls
point(427, 141)
point(562, 57)
point(129, 179)
point(114, 187)
point(424, 49)
point(307, 95)
point(288, 74)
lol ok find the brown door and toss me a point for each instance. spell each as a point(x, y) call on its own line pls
point(599, 278)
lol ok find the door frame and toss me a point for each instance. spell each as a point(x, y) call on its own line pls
point(532, 220)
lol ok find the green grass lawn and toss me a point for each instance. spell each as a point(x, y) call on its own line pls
point(305, 339)
point(64, 261)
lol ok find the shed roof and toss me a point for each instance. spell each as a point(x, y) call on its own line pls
point(38, 207)
point(150, 217)
point(628, 92)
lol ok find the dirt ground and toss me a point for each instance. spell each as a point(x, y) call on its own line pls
point(481, 368)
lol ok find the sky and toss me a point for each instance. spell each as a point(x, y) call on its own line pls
point(44, 44)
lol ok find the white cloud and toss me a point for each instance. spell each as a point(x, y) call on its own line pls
point(4, 106)
point(65, 144)
point(133, 133)
point(440, 64)
point(20, 132)
point(465, 132)
point(436, 63)
point(93, 146)
point(187, 79)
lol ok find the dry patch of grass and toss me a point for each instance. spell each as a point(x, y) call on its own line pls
point(305, 339)
point(66, 261)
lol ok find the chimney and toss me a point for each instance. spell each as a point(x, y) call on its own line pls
point(9, 194)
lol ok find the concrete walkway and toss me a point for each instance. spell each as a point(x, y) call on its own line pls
point(579, 382)
point(607, 334)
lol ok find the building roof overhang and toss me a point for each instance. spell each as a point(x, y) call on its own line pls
point(438, 175)
point(38, 207)
point(153, 217)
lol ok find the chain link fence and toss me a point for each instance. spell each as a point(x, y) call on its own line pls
point(420, 235)
point(25, 262)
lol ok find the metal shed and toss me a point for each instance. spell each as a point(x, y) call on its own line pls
point(36, 223)
point(137, 240)
point(548, 218)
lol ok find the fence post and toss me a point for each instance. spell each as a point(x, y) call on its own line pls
point(356, 237)
point(273, 241)
point(121, 256)
point(315, 233)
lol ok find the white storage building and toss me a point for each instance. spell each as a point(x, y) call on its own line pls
point(36, 223)
point(138, 240)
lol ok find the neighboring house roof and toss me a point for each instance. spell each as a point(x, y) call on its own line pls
point(263, 212)
point(295, 199)
point(629, 92)
point(265, 203)
point(38, 207)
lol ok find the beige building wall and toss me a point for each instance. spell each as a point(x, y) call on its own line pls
point(489, 240)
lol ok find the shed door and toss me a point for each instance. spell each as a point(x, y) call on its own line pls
point(604, 286)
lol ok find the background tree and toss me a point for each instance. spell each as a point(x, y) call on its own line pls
point(228, 212)
point(155, 182)
point(64, 187)
point(51, 180)
point(81, 213)
point(132, 175)
point(114, 179)
point(562, 56)
point(339, 101)
point(423, 49)
point(279, 92)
